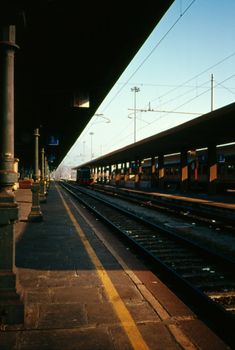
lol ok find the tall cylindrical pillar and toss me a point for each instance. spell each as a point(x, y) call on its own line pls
point(212, 169)
point(35, 213)
point(184, 170)
point(47, 173)
point(36, 155)
point(7, 51)
point(11, 309)
point(43, 162)
point(153, 171)
point(43, 190)
point(161, 171)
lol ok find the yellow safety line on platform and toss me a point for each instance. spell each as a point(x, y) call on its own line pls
point(122, 312)
point(164, 315)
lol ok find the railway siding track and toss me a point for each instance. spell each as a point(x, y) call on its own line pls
point(207, 212)
point(205, 277)
point(218, 236)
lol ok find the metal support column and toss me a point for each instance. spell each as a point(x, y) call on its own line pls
point(11, 308)
point(153, 172)
point(36, 215)
point(117, 175)
point(137, 173)
point(161, 171)
point(113, 172)
point(47, 174)
point(184, 170)
point(212, 169)
point(105, 174)
point(95, 174)
point(126, 172)
point(92, 172)
point(109, 173)
point(102, 174)
point(43, 190)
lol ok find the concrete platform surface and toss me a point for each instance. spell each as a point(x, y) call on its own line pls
point(83, 289)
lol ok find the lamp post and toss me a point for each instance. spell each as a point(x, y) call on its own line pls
point(35, 214)
point(135, 90)
point(36, 155)
point(91, 133)
point(42, 181)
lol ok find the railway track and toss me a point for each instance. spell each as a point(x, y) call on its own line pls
point(205, 278)
point(200, 212)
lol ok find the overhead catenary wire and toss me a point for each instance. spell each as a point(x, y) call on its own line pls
point(150, 53)
point(197, 89)
point(166, 113)
point(210, 68)
point(190, 100)
point(226, 88)
point(184, 94)
point(178, 86)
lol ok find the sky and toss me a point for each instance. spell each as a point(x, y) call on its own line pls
point(173, 73)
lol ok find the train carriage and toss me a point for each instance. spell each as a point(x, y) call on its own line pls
point(198, 169)
point(84, 176)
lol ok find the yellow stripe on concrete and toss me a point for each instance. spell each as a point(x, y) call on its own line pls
point(123, 314)
point(174, 329)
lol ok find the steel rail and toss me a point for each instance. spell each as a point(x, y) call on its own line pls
point(205, 278)
point(218, 217)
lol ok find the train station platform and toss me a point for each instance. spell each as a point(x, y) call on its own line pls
point(83, 289)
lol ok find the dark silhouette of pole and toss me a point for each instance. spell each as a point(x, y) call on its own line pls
point(135, 90)
point(212, 92)
point(35, 213)
point(11, 308)
point(42, 180)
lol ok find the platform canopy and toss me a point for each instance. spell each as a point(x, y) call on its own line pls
point(71, 52)
point(214, 128)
